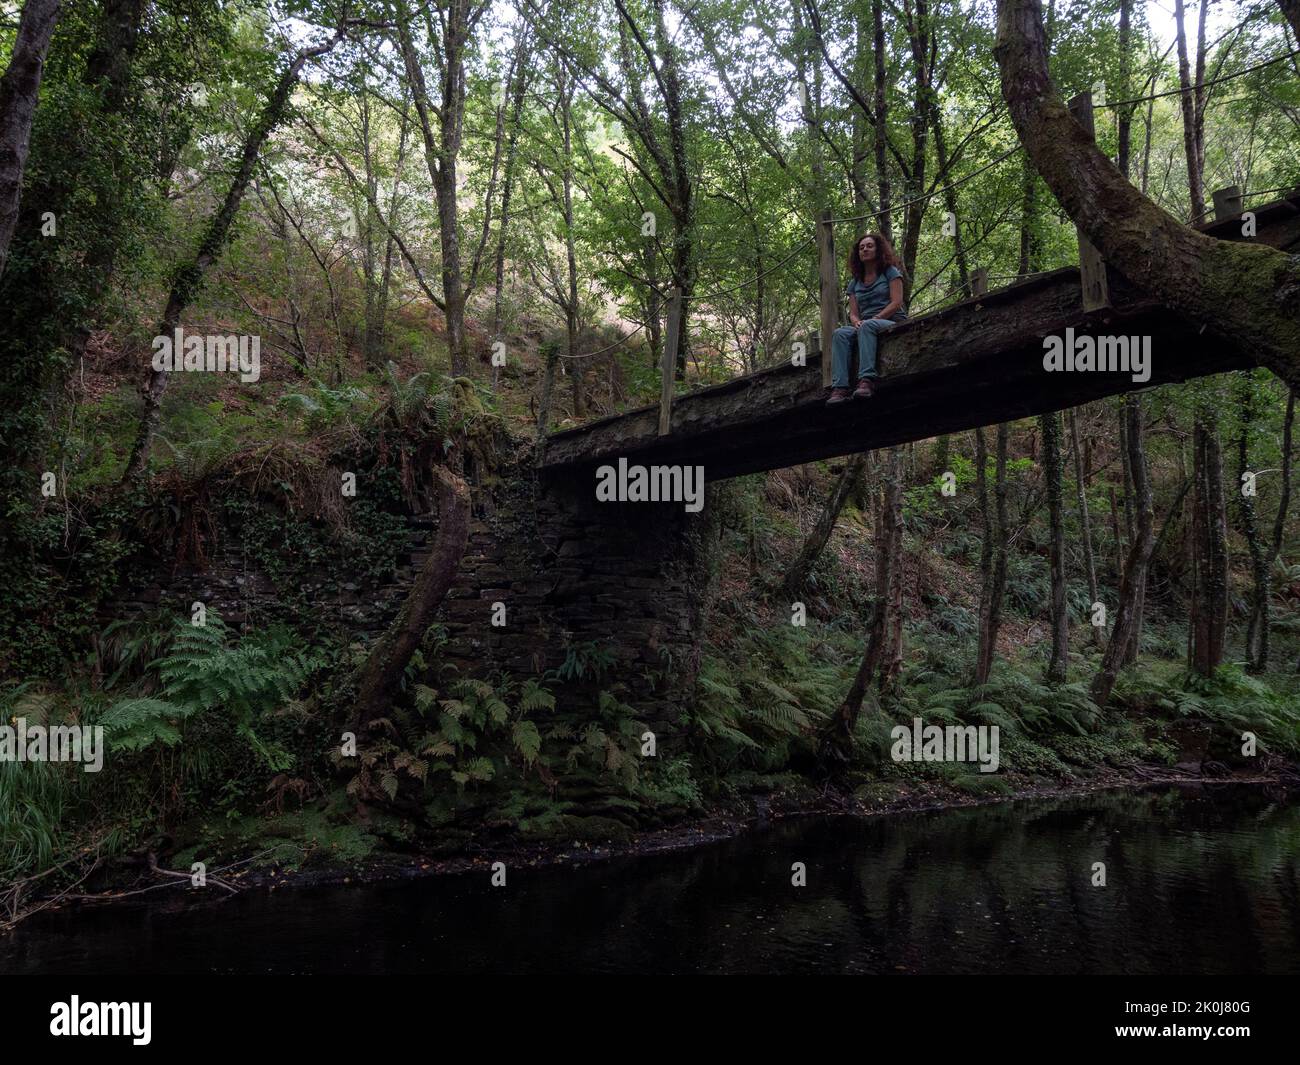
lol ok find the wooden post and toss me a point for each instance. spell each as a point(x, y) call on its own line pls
point(1227, 202)
point(829, 290)
point(979, 282)
point(1092, 268)
point(669, 368)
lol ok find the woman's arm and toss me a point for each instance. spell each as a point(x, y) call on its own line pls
point(895, 303)
point(854, 318)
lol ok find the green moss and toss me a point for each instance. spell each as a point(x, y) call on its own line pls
point(558, 826)
point(312, 837)
point(982, 784)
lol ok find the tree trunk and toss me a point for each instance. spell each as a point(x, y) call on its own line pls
point(1257, 628)
point(1279, 522)
point(390, 246)
point(1058, 664)
point(942, 453)
point(544, 404)
point(820, 534)
point(837, 740)
point(1246, 293)
point(442, 155)
point(1116, 539)
point(1125, 115)
point(1134, 577)
point(1190, 101)
point(1291, 9)
point(187, 280)
point(683, 194)
point(993, 554)
point(19, 90)
point(577, 367)
point(1130, 414)
point(950, 197)
point(382, 671)
point(1126, 475)
point(891, 671)
point(519, 87)
point(1210, 615)
point(863, 54)
point(1028, 220)
point(919, 34)
point(881, 125)
point(1085, 523)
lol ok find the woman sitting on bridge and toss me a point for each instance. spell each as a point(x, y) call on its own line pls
point(875, 305)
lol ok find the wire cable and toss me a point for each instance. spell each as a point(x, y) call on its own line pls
point(1203, 85)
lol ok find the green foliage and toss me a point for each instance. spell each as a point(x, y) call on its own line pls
point(471, 733)
point(325, 408)
point(1029, 715)
point(926, 504)
point(610, 743)
point(584, 661)
point(765, 700)
point(952, 619)
point(56, 567)
point(1231, 699)
point(113, 166)
point(201, 673)
point(37, 799)
point(1028, 584)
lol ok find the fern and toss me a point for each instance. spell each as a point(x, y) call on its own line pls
point(527, 740)
point(200, 673)
point(134, 724)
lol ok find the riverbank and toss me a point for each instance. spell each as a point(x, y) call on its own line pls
point(236, 874)
point(1116, 880)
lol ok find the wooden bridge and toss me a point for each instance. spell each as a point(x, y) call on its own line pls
point(979, 362)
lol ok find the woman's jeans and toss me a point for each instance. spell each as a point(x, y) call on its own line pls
point(842, 349)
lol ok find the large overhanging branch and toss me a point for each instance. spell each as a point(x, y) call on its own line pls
point(1247, 294)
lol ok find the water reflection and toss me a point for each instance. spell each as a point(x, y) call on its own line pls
point(1200, 880)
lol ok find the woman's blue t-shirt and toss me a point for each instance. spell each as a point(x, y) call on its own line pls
point(874, 298)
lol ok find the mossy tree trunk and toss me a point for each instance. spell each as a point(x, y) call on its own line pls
point(381, 673)
point(188, 279)
point(1283, 507)
point(993, 553)
point(1210, 599)
point(817, 538)
point(1258, 624)
point(891, 670)
point(1291, 9)
point(1058, 608)
point(837, 739)
point(1247, 295)
point(19, 88)
point(1128, 616)
point(1085, 522)
point(1139, 510)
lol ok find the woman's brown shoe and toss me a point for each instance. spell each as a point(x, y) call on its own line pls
point(866, 389)
point(838, 395)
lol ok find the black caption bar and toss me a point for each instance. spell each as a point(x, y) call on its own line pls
point(142, 1015)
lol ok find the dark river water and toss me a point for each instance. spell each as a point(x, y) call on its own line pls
point(1198, 880)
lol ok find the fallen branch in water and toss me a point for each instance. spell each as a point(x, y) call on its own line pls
point(11, 898)
point(208, 878)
